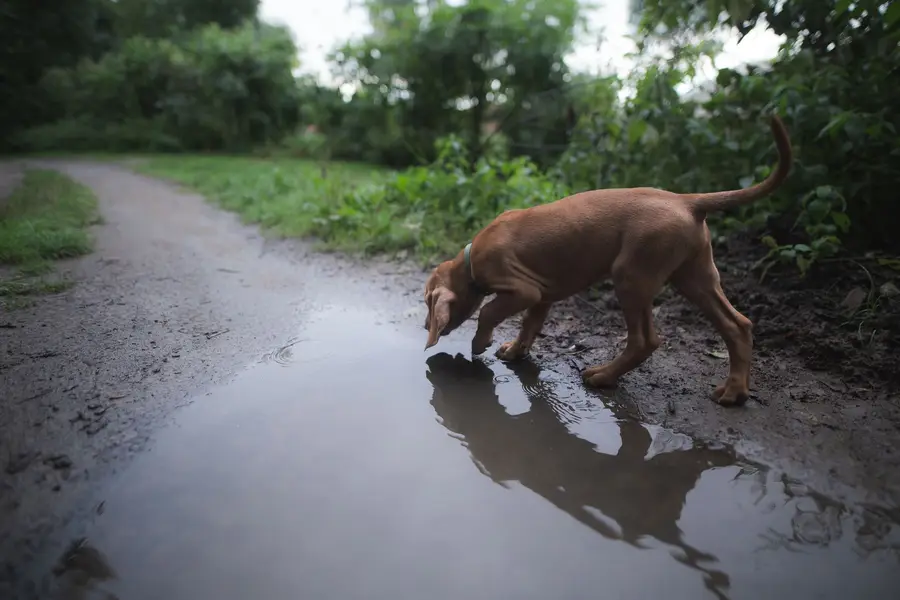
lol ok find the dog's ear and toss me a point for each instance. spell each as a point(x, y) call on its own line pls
point(428, 294)
point(439, 314)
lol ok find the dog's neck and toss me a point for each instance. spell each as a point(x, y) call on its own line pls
point(469, 271)
point(467, 262)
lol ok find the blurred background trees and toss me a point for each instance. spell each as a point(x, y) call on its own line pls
point(483, 85)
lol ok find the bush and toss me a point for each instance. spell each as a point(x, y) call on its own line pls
point(209, 89)
point(90, 135)
point(304, 144)
point(846, 157)
point(432, 211)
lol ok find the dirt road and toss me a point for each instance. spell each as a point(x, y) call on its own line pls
point(179, 298)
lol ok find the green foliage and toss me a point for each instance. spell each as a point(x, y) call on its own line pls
point(464, 86)
point(36, 38)
point(282, 195)
point(433, 69)
point(833, 85)
point(426, 210)
point(302, 144)
point(433, 210)
point(91, 134)
point(145, 75)
point(214, 89)
point(642, 130)
point(46, 218)
point(167, 18)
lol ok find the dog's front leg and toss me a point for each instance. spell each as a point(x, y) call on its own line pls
point(637, 305)
point(531, 327)
point(503, 306)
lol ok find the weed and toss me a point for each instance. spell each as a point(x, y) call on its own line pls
point(284, 196)
point(44, 219)
point(432, 211)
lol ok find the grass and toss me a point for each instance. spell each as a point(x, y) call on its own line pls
point(424, 212)
point(283, 195)
point(44, 219)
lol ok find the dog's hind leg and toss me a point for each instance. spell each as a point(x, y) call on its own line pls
point(698, 281)
point(635, 295)
point(500, 308)
point(531, 327)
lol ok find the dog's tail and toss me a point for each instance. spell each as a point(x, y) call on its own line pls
point(715, 201)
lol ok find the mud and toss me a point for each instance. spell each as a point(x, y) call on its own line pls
point(820, 405)
point(816, 319)
point(330, 447)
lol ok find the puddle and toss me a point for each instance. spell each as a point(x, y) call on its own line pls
point(345, 465)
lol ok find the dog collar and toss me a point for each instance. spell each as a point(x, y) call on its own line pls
point(467, 261)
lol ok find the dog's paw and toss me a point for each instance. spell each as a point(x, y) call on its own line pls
point(731, 393)
point(599, 377)
point(479, 345)
point(511, 351)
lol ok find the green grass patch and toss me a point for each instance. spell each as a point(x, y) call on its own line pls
point(283, 195)
point(44, 219)
point(428, 212)
point(21, 285)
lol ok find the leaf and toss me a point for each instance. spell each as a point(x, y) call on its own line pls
point(769, 242)
point(717, 354)
point(854, 299)
point(824, 191)
point(841, 7)
point(818, 209)
point(891, 263)
point(834, 125)
point(636, 130)
point(892, 14)
point(841, 220)
point(651, 135)
point(739, 10)
point(889, 290)
point(802, 248)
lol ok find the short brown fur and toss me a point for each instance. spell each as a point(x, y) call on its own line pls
point(641, 238)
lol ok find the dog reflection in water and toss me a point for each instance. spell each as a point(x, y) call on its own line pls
point(642, 497)
point(80, 571)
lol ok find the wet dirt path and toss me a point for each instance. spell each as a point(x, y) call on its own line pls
point(177, 296)
point(344, 462)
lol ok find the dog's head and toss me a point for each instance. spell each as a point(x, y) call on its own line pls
point(450, 300)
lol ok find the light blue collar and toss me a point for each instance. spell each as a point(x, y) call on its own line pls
point(467, 261)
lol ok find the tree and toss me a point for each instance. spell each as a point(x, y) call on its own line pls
point(164, 18)
point(35, 39)
point(210, 89)
point(451, 68)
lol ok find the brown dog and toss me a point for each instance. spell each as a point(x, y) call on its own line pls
point(640, 237)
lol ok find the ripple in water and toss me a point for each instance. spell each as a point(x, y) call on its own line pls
point(283, 355)
point(556, 390)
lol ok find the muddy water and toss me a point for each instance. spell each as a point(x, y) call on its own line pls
point(350, 465)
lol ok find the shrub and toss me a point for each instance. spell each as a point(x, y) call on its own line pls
point(432, 211)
